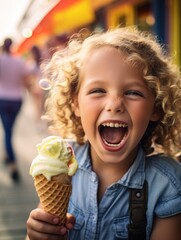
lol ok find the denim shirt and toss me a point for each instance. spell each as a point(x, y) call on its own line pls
point(109, 218)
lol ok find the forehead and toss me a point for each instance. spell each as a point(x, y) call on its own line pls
point(109, 65)
point(105, 58)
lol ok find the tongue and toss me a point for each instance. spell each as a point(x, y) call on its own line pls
point(113, 135)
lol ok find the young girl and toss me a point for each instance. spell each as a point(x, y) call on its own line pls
point(119, 96)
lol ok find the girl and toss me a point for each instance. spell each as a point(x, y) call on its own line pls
point(119, 96)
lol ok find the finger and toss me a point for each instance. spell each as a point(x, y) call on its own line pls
point(70, 221)
point(33, 235)
point(40, 215)
point(39, 231)
point(44, 227)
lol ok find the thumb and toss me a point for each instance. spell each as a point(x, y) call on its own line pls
point(70, 221)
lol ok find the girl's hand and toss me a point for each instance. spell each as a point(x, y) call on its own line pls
point(42, 225)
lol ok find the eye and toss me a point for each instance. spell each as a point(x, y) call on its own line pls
point(134, 93)
point(97, 90)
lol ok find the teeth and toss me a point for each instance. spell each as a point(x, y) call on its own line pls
point(112, 144)
point(114, 125)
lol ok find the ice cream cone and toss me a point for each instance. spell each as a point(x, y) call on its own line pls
point(52, 170)
point(54, 195)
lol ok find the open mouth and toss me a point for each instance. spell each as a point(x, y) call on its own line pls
point(113, 134)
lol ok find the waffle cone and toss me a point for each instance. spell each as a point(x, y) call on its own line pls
point(54, 195)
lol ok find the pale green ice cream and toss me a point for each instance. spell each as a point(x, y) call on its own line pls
point(55, 156)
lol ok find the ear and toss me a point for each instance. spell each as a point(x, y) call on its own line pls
point(76, 107)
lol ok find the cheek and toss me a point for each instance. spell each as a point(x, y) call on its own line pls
point(87, 104)
point(88, 112)
point(141, 115)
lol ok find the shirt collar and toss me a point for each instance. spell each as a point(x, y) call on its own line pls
point(83, 156)
point(133, 178)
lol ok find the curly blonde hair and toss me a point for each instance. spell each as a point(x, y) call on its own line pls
point(145, 54)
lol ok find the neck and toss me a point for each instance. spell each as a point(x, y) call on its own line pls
point(108, 174)
point(106, 178)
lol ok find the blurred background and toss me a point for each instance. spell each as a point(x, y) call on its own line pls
point(38, 27)
point(42, 22)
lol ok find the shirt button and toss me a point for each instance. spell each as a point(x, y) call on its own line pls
point(94, 218)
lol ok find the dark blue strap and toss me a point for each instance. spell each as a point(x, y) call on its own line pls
point(137, 208)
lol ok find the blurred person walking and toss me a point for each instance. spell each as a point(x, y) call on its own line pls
point(36, 91)
point(13, 82)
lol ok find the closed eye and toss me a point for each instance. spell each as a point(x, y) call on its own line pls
point(97, 90)
point(134, 93)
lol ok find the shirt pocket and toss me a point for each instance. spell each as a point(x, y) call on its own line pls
point(120, 228)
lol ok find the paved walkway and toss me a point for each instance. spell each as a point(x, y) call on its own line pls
point(17, 200)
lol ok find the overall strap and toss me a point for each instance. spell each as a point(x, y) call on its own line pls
point(137, 208)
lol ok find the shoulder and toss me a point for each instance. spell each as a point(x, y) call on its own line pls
point(166, 167)
point(163, 175)
point(16, 58)
point(165, 170)
point(19, 60)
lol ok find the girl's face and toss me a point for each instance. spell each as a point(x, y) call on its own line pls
point(115, 106)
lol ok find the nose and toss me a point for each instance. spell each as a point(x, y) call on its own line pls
point(115, 104)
